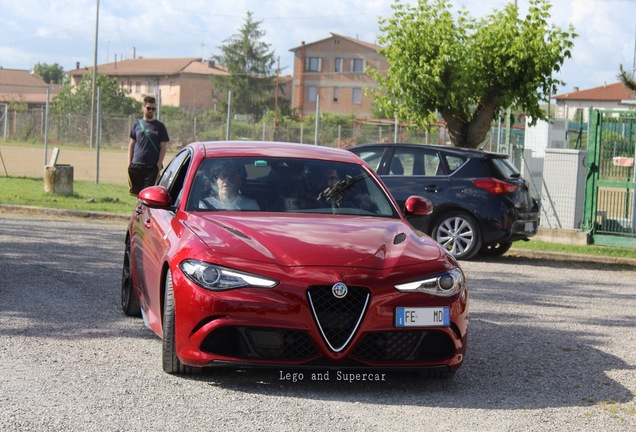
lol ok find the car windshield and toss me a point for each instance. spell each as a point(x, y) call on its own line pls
point(287, 185)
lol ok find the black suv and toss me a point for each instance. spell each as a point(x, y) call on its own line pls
point(481, 202)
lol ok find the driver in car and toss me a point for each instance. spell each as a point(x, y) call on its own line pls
point(227, 178)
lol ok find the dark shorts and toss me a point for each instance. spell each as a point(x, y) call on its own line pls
point(141, 176)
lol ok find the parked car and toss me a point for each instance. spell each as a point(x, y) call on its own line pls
point(481, 203)
point(320, 270)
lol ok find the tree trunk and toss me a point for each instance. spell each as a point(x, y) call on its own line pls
point(471, 133)
point(457, 129)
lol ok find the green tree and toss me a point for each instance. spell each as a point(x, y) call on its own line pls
point(77, 99)
point(468, 70)
point(50, 74)
point(250, 65)
point(627, 79)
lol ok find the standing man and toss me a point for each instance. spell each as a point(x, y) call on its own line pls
point(147, 148)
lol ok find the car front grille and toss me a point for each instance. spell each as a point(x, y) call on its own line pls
point(404, 346)
point(262, 343)
point(337, 318)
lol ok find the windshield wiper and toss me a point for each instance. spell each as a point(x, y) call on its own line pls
point(336, 193)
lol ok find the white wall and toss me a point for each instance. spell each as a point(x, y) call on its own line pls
point(545, 135)
point(563, 190)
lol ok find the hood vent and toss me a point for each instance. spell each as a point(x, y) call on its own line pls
point(400, 238)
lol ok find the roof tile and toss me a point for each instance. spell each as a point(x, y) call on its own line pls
point(609, 92)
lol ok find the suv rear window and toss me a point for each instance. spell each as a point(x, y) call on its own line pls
point(504, 169)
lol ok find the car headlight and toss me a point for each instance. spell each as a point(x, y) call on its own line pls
point(217, 278)
point(445, 284)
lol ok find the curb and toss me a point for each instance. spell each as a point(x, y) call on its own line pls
point(84, 214)
point(558, 256)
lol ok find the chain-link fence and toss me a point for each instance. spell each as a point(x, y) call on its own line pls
point(74, 129)
point(555, 176)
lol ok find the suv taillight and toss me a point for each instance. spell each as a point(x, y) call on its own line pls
point(495, 186)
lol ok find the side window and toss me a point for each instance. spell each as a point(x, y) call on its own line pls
point(402, 163)
point(173, 176)
point(454, 162)
point(372, 157)
point(415, 162)
point(431, 165)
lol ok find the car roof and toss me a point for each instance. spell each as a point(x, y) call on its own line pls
point(449, 149)
point(272, 149)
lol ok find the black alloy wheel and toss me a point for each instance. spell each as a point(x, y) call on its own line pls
point(171, 363)
point(129, 300)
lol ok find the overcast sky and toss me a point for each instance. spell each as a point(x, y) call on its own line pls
point(63, 31)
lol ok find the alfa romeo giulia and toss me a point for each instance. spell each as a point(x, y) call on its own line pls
point(256, 254)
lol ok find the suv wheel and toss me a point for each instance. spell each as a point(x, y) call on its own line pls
point(459, 234)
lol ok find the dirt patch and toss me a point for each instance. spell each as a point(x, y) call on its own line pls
point(21, 161)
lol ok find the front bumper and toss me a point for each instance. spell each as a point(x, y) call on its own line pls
point(278, 326)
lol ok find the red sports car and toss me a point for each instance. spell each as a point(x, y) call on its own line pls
point(289, 255)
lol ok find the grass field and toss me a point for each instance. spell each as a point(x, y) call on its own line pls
point(114, 198)
point(88, 196)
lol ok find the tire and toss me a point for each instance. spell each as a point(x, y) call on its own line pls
point(171, 363)
point(495, 249)
point(459, 234)
point(129, 300)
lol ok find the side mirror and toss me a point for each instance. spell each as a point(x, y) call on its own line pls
point(417, 206)
point(155, 197)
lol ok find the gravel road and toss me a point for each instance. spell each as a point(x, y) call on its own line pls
point(552, 347)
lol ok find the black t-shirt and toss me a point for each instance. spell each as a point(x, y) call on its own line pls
point(144, 151)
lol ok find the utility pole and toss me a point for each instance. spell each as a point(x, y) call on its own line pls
point(634, 63)
point(508, 115)
point(94, 75)
point(276, 98)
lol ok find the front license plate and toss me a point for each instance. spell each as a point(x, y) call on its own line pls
point(531, 227)
point(422, 317)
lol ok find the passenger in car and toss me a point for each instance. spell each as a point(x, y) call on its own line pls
point(343, 191)
point(227, 176)
point(331, 177)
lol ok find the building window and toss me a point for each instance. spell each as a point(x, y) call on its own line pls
point(137, 87)
point(335, 94)
point(338, 64)
point(357, 65)
point(357, 96)
point(578, 115)
point(311, 94)
point(153, 87)
point(313, 64)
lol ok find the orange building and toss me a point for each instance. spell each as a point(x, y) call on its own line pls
point(332, 72)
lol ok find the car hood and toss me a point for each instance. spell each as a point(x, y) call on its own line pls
point(315, 240)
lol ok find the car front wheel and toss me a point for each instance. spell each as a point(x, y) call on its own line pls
point(171, 363)
point(459, 234)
